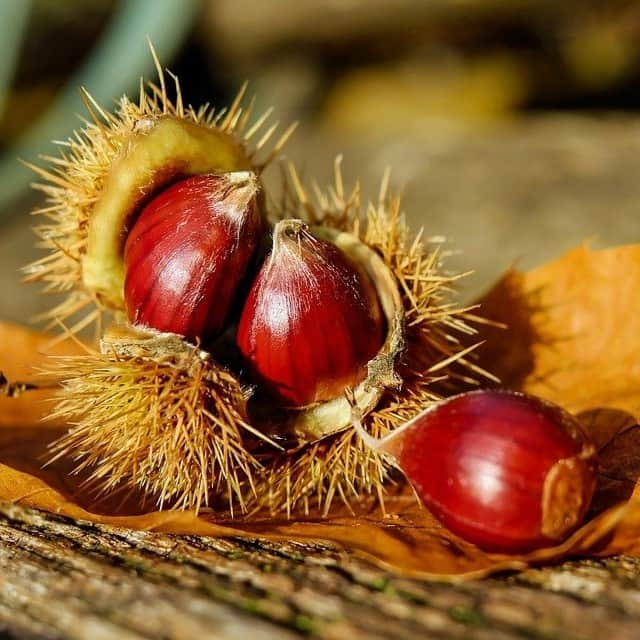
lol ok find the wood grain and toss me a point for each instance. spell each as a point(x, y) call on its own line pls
point(66, 579)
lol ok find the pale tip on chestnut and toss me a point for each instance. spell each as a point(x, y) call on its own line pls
point(291, 229)
point(242, 177)
point(390, 444)
point(239, 188)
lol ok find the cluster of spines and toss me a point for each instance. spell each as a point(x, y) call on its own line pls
point(73, 181)
point(171, 427)
point(145, 422)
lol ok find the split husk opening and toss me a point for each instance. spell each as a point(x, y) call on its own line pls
point(157, 151)
point(323, 419)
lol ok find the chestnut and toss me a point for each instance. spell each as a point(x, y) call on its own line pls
point(506, 471)
point(158, 151)
point(312, 320)
point(187, 252)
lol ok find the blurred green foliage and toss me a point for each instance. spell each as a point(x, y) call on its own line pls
point(54, 47)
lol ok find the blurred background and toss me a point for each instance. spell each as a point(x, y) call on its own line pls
point(511, 125)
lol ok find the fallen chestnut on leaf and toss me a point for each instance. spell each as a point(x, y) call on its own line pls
point(187, 252)
point(506, 471)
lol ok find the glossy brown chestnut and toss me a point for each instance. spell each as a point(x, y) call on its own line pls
point(506, 471)
point(187, 252)
point(312, 320)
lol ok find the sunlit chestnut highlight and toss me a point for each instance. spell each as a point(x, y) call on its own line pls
point(506, 471)
point(312, 320)
point(188, 251)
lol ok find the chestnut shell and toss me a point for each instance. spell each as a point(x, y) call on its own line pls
point(311, 321)
point(187, 254)
point(314, 422)
point(504, 470)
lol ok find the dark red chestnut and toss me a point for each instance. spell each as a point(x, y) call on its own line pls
point(506, 471)
point(312, 320)
point(187, 252)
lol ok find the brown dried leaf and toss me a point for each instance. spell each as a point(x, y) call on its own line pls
point(409, 542)
point(571, 339)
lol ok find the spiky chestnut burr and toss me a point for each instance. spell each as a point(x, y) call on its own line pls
point(107, 171)
point(103, 177)
point(174, 421)
point(506, 471)
point(187, 252)
point(433, 357)
point(315, 322)
point(154, 414)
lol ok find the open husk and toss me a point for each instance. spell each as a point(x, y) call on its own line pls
point(157, 151)
point(106, 171)
point(436, 358)
point(164, 377)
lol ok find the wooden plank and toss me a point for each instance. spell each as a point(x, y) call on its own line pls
point(65, 579)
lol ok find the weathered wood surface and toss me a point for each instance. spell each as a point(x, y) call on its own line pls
point(65, 579)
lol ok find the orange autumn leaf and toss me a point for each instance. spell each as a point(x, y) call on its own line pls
point(570, 339)
point(573, 334)
point(21, 353)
